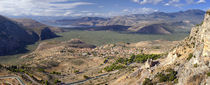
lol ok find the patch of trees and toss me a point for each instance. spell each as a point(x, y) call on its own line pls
point(168, 75)
point(114, 67)
point(121, 63)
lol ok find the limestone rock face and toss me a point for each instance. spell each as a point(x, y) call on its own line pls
point(193, 55)
point(190, 59)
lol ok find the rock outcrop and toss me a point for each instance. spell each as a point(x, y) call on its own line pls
point(187, 64)
point(193, 55)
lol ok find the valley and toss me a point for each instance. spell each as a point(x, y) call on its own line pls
point(158, 48)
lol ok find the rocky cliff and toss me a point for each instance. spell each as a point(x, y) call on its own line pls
point(187, 64)
point(191, 57)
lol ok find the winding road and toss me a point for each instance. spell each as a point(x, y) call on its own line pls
point(82, 81)
point(13, 77)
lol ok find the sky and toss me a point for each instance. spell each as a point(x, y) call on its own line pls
point(105, 8)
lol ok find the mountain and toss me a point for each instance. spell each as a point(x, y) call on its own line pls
point(14, 36)
point(177, 22)
point(84, 21)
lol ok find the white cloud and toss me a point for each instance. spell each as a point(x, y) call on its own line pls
point(139, 11)
point(201, 1)
point(171, 2)
point(38, 7)
point(147, 1)
point(175, 3)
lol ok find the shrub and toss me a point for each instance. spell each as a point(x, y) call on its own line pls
point(41, 70)
point(57, 73)
point(190, 56)
point(147, 81)
point(57, 81)
point(76, 71)
point(208, 74)
point(196, 65)
point(86, 77)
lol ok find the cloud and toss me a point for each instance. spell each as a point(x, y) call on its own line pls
point(39, 7)
point(171, 2)
point(175, 3)
point(139, 11)
point(201, 1)
point(189, 1)
point(147, 1)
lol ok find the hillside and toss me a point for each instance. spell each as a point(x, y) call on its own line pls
point(14, 36)
point(32, 24)
point(44, 31)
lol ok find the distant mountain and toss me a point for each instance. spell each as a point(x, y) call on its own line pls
point(15, 36)
point(181, 21)
point(84, 21)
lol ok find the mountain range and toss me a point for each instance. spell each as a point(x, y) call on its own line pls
point(168, 23)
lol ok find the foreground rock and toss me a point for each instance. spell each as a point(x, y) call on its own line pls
point(187, 64)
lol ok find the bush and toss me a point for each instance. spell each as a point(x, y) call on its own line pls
point(147, 81)
point(196, 65)
point(41, 70)
point(57, 81)
point(190, 56)
point(57, 73)
point(76, 71)
point(208, 74)
point(45, 82)
point(86, 77)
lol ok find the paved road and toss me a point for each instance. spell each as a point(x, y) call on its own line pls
point(33, 81)
point(82, 81)
point(13, 77)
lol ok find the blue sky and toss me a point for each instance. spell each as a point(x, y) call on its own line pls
point(104, 8)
